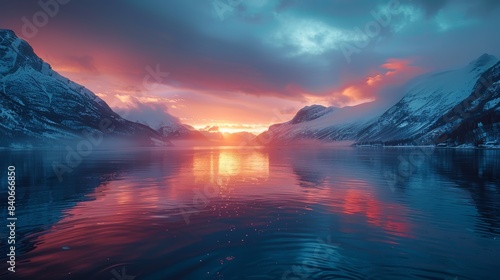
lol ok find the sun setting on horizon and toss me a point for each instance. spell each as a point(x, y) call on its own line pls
point(231, 112)
point(234, 92)
point(248, 74)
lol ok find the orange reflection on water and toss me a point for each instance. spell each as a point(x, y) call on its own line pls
point(136, 208)
point(209, 167)
point(378, 213)
point(386, 215)
point(357, 198)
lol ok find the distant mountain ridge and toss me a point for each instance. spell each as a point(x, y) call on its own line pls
point(437, 107)
point(179, 131)
point(38, 106)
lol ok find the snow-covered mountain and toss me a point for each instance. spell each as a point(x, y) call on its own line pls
point(322, 123)
point(428, 99)
point(39, 106)
point(475, 120)
point(457, 107)
point(179, 131)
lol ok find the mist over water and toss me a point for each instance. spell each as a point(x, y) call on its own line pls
point(256, 213)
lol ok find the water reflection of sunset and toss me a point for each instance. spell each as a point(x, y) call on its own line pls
point(129, 212)
point(250, 183)
point(356, 198)
point(387, 216)
point(213, 166)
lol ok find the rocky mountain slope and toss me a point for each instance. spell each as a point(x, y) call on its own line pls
point(39, 107)
point(429, 99)
point(456, 107)
point(322, 123)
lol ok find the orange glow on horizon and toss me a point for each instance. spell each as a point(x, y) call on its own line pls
point(241, 112)
point(235, 128)
point(366, 89)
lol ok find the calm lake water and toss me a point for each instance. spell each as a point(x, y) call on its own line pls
point(256, 213)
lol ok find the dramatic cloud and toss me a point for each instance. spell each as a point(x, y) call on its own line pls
point(252, 62)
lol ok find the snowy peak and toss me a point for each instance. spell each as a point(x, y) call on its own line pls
point(15, 53)
point(40, 107)
point(6, 33)
point(426, 100)
point(310, 113)
point(429, 99)
point(485, 60)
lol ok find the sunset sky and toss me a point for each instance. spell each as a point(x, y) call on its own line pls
point(246, 64)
